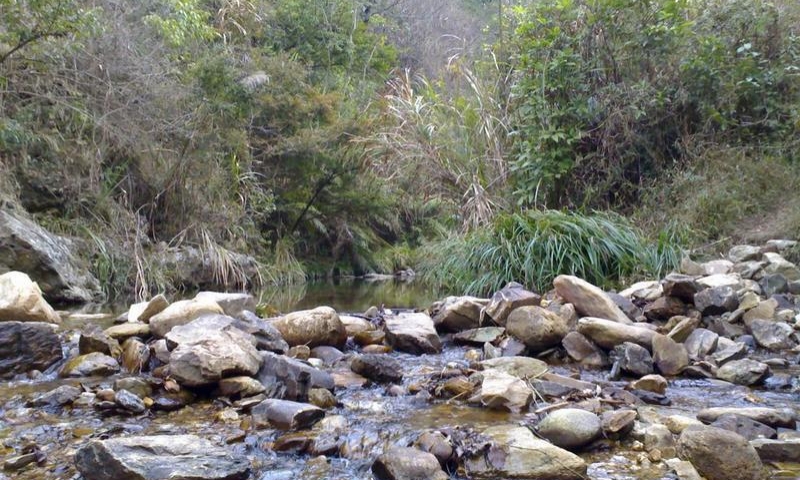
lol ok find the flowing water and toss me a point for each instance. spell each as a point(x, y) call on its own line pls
point(375, 419)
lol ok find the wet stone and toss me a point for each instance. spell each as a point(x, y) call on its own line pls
point(95, 340)
point(633, 359)
point(89, 365)
point(413, 333)
point(63, 395)
point(129, 401)
point(479, 336)
point(26, 346)
point(403, 463)
point(570, 428)
point(379, 368)
point(286, 415)
point(773, 417)
point(743, 372)
point(509, 298)
point(746, 427)
point(719, 454)
point(701, 342)
point(136, 385)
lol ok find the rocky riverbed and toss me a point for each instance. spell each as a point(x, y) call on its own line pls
point(691, 376)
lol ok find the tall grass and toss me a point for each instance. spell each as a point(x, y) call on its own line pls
point(535, 246)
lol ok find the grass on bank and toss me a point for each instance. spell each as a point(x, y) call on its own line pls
point(535, 246)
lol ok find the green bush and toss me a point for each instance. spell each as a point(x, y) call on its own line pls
point(534, 247)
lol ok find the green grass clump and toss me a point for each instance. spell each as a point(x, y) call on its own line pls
point(535, 246)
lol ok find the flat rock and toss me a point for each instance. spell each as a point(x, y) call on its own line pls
point(320, 326)
point(286, 414)
point(63, 395)
point(516, 453)
point(651, 383)
point(479, 336)
point(126, 330)
point(232, 304)
point(743, 372)
point(21, 300)
point(608, 334)
point(89, 365)
point(181, 313)
point(775, 418)
point(413, 333)
point(570, 428)
point(719, 454)
point(184, 457)
point(777, 450)
point(617, 423)
point(589, 300)
point(507, 299)
point(26, 346)
point(524, 368)
point(405, 463)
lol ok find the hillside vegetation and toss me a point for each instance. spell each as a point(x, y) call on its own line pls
point(340, 137)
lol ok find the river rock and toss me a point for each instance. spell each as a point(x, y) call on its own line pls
point(678, 423)
point(436, 444)
point(185, 457)
point(126, 330)
point(608, 334)
point(583, 351)
point(63, 395)
point(135, 355)
point(355, 325)
point(764, 310)
point(516, 453)
point(744, 253)
point(286, 414)
point(405, 463)
point(455, 314)
point(239, 387)
point(25, 246)
point(716, 301)
point(507, 299)
point(524, 368)
point(93, 339)
point(412, 333)
point(26, 346)
point(144, 311)
point(181, 313)
point(291, 379)
point(633, 359)
point(501, 391)
point(89, 365)
point(232, 304)
point(719, 454)
point(773, 417)
point(776, 264)
point(700, 343)
point(746, 427)
point(669, 356)
point(537, 328)
point(320, 326)
point(735, 351)
point(664, 308)
point(682, 327)
point(681, 286)
point(213, 355)
point(647, 290)
point(570, 428)
point(618, 423)
point(479, 336)
point(267, 337)
point(774, 284)
point(129, 401)
point(786, 450)
point(651, 383)
point(328, 355)
point(322, 398)
point(659, 437)
point(589, 300)
point(772, 335)
point(378, 368)
point(743, 372)
point(21, 300)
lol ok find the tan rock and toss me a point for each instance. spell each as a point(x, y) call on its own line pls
point(181, 313)
point(21, 300)
point(588, 299)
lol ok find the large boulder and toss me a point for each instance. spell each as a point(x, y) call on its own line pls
point(669, 356)
point(570, 428)
point(185, 457)
point(26, 346)
point(516, 453)
point(455, 314)
point(27, 247)
point(413, 333)
point(320, 326)
point(507, 299)
point(589, 300)
point(21, 300)
point(192, 268)
point(772, 335)
point(537, 328)
point(291, 379)
point(608, 333)
point(405, 463)
point(719, 454)
point(181, 313)
point(209, 349)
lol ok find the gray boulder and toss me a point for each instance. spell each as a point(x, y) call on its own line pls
point(743, 372)
point(286, 414)
point(405, 463)
point(184, 457)
point(719, 454)
point(537, 328)
point(716, 301)
point(700, 343)
point(47, 258)
point(26, 346)
point(772, 335)
point(289, 378)
point(89, 365)
point(377, 367)
point(633, 359)
point(507, 299)
point(455, 314)
point(413, 333)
